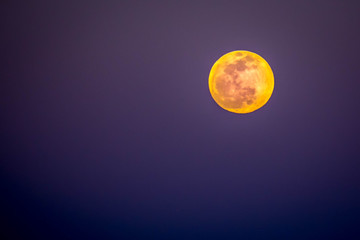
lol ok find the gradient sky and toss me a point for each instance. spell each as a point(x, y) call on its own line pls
point(108, 129)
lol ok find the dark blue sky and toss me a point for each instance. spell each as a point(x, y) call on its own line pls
point(108, 129)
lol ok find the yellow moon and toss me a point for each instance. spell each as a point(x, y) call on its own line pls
point(241, 82)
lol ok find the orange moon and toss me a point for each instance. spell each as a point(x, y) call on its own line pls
point(241, 82)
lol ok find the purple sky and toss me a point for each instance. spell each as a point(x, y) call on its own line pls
point(108, 129)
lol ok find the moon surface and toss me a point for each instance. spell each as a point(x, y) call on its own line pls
point(241, 82)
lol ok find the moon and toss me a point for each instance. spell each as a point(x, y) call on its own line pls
point(241, 82)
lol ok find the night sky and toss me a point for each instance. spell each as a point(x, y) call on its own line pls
point(108, 129)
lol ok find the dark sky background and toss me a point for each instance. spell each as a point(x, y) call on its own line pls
point(108, 129)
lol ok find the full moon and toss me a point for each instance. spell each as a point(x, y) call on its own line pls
point(241, 82)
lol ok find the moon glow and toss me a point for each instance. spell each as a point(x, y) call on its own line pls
point(241, 82)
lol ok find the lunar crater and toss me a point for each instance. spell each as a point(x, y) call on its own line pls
point(234, 93)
